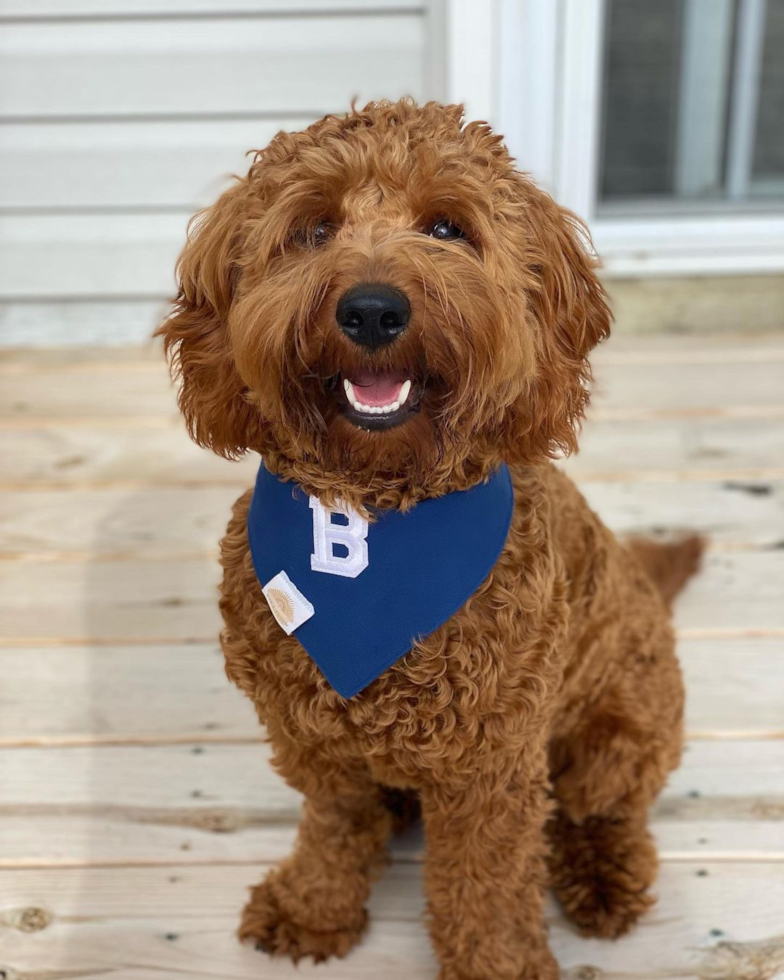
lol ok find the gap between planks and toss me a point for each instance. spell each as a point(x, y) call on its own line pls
point(748, 412)
point(707, 633)
point(213, 554)
point(754, 473)
point(415, 860)
point(622, 349)
point(211, 738)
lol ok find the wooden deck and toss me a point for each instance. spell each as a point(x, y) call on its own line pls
point(136, 802)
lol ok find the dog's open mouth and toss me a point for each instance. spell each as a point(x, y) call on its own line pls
point(379, 400)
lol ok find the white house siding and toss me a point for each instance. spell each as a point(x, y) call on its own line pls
point(119, 118)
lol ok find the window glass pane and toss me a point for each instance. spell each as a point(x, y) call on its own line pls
point(769, 141)
point(693, 106)
point(640, 98)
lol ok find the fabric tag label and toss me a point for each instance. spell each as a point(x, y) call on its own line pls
point(288, 605)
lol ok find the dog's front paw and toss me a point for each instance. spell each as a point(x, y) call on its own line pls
point(282, 926)
point(544, 968)
point(539, 965)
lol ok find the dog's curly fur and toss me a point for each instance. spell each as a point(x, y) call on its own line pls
point(537, 725)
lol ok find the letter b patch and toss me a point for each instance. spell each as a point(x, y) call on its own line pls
point(339, 547)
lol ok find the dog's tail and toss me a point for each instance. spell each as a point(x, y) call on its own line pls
point(670, 564)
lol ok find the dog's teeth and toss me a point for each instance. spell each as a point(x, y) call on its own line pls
point(359, 406)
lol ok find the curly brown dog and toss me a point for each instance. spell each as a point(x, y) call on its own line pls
point(536, 726)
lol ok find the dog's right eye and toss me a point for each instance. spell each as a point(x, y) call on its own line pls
point(323, 232)
point(445, 231)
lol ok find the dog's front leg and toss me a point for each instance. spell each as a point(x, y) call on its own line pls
point(313, 903)
point(485, 873)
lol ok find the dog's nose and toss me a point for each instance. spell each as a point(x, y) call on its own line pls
point(373, 314)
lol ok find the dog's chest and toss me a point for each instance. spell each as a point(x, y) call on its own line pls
point(358, 594)
point(482, 672)
point(486, 665)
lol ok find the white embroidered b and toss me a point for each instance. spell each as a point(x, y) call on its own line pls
point(349, 538)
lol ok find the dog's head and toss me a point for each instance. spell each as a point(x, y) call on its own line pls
point(385, 308)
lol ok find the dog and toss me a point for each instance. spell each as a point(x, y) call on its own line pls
point(398, 322)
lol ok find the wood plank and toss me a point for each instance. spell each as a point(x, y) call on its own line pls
point(110, 602)
point(135, 694)
point(733, 686)
point(88, 392)
point(187, 927)
point(121, 694)
point(157, 523)
point(745, 346)
point(738, 593)
point(622, 390)
point(731, 513)
point(161, 67)
point(712, 920)
point(151, 523)
point(132, 455)
point(679, 449)
point(675, 389)
point(16, 359)
point(623, 349)
point(184, 804)
point(143, 388)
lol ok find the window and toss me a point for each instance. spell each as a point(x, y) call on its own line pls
point(692, 107)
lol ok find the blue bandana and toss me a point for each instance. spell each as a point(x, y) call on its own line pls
point(358, 594)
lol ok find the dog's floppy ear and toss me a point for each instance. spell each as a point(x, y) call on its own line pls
point(196, 336)
point(570, 314)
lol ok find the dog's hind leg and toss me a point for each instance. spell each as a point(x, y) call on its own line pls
point(606, 773)
point(601, 871)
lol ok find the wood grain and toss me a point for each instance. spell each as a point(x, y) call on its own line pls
point(138, 801)
point(706, 450)
point(183, 804)
point(153, 922)
point(624, 388)
point(738, 593)
point(160, 523)
point(132, 456)
point(121, 694)
point(179, 693)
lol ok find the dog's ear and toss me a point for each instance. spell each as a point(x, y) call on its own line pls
point(196, 336)
point(568, 310)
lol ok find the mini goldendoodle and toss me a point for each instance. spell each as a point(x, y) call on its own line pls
point(422, 607)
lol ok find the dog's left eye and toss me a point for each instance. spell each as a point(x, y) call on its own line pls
point(323, 232)
point(445, 231)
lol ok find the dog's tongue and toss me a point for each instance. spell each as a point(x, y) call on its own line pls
point(376, 389)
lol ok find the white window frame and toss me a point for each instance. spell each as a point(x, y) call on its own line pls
point(533, 68)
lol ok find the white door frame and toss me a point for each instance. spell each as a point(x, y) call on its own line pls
point(533, 68)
